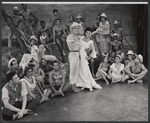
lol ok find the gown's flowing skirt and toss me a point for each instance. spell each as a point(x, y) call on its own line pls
point(85, 78)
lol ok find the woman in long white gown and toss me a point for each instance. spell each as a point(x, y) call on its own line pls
point(85, 79)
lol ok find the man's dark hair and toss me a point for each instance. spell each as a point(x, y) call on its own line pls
point(55, 62)
point(42, 22)
point(55, 10)
point(10, 75)
point(57, 19)
point(71, 16)
point(23, 4)
point(87, 29)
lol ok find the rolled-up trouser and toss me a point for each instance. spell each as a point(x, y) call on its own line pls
point(74, 67)
point(31, 104)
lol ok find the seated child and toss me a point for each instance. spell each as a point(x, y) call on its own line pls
point(102, 70)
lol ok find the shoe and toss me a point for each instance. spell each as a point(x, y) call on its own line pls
point(82, 88)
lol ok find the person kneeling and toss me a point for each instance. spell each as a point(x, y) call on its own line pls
point(136, 71)
point(57, 80)
point(14, 97)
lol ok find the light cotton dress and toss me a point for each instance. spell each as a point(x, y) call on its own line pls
point(85, 78)
point(116, 73)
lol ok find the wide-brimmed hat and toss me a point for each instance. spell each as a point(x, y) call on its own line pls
point(116, 22)
point(103, 15)
point(10, 61)
point(119, 57)
point(79, 16)
point(130, 52)
point(75, 24)
point(140, 57)
point(15, 8)
point(115, 34)
point(33, 38)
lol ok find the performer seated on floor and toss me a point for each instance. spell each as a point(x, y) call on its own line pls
point(130, 58)
point(34, 88)
point(102, 71)
point(136, 71)
point(116, 46)
point(116, 71)
point(14, 97)
point(57, 80)
point(13, 66)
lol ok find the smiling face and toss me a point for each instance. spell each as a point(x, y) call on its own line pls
point(117, 60)
point(16, 12)
point(130, 57)
point(56, 66)
point(75, 30)
point(137, 60)
point(15, 79)
point(29, 73)
point(57, 22)
point(15, 64)
point(71, 18)
point(78, 20)
point(88, 34)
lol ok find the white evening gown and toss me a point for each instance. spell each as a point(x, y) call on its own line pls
point(85, 78)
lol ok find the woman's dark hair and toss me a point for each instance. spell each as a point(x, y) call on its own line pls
point(55, 10)
point(57, 19)
point(42, 22)
point(10, 75)
point(87, 29)
point(26, 70)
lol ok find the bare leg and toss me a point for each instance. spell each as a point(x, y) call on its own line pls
point(104, 77)
point(125, 78)
point(66, 87)
point(75, 89)
point(138, 79)
point(48, 92)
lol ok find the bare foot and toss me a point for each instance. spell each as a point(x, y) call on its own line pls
point(140, 81)
point(130, 81)
point(91, 89)
point(107, 83)
point(75, 89)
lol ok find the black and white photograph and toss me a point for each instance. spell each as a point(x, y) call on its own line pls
point(74, 61)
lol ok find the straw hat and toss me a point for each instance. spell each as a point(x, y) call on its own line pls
point(103, 15)
point(130, 52)
point(115, 34)
point(33, 38)
point(10, 61)
point(15, 8)
point(119, 57)
point(79, 16)
point(140, 57)
point(116, 22)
